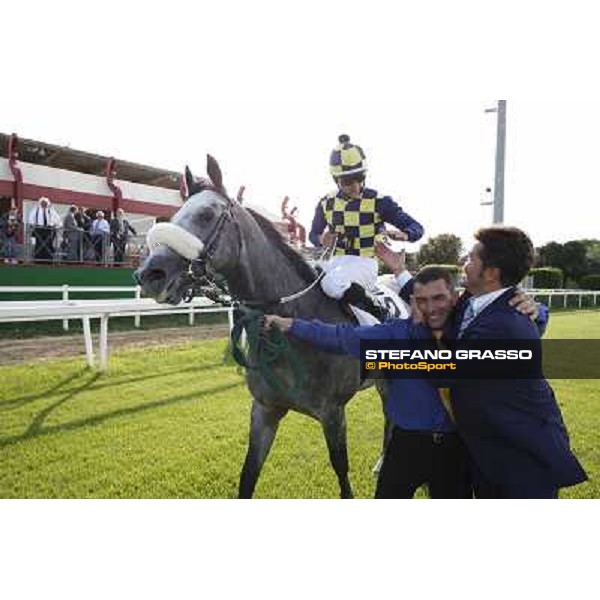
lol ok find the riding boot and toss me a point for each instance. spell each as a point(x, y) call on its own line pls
point(357, 296)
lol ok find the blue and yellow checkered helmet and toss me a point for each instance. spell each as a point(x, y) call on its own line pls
point(347, 158)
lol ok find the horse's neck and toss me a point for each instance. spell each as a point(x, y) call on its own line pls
point(265, 274)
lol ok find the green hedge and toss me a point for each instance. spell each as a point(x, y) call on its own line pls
point(590, 282)
point(547, 277)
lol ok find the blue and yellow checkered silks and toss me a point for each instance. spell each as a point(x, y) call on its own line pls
point(355, 220)
point(347, 158)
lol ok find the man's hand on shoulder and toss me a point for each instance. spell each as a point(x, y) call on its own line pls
point(525, 304)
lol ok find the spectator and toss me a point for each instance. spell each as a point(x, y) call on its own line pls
point(71, 236)
point(84, 222)
point(119, 231)
point(44, 220)
point(10, 226)
point(100, 231)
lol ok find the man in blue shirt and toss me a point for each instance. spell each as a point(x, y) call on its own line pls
point(424, 447)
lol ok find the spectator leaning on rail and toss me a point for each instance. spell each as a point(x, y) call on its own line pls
point(353, 215)
point(44, 220)
point(119, 231)
point(100, 231)
point(72, 236)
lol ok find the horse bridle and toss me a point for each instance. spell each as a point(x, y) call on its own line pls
point(199, 272)
point(200, 275)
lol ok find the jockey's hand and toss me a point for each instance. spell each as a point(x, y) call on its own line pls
point(397, 235)
point(394, 261)
point(525, 304)
point(328, 238)
point(282, 323)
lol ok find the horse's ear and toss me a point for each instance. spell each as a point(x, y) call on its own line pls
point(214, 172)
point(189, 180)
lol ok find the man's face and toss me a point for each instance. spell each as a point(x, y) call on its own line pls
point(473, 271)
point(435, 300)
point(351, 185)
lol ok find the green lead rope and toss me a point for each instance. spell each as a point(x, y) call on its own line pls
point(269, 347)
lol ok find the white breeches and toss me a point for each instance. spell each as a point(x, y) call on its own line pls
point(342, 271)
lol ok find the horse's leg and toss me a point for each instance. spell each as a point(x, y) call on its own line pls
point(263, 427)
point(334, 428)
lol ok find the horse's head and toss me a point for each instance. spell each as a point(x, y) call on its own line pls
point(201, 233)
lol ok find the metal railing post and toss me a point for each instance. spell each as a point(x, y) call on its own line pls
point(103, 342)
point(65, 297)
point(138, 295)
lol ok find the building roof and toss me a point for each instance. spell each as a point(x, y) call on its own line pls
point(63, 157)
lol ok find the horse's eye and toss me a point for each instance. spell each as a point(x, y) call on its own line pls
point(206, 215)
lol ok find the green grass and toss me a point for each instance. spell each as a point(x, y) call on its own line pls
point(171, 422)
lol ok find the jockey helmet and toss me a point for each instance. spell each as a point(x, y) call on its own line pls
point(347, 158)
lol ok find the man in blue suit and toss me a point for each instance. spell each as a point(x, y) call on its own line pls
point(513, 428)
point(424, 447)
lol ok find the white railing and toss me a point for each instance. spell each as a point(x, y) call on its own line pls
point(551, 293)
point(66, 290)
point(46, 310)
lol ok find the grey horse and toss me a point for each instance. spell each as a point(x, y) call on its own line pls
point(244, 248)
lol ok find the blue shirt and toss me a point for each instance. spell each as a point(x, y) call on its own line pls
point(412, 403)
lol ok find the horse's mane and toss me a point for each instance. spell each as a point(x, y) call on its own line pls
point(302, 267)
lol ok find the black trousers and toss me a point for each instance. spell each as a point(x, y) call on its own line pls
point(44, 243)
point(415, 458)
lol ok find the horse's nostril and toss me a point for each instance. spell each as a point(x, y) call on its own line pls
point(154, 275)
point(149, 277)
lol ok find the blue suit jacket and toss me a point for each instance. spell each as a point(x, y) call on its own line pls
point(513, 428)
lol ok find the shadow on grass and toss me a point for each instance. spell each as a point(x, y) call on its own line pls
point(36, 429)
point(36, 425)
point(18, 402)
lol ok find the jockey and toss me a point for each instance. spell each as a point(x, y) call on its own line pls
point(353, 216)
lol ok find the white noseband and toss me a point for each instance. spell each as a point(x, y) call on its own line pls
point(176, 238)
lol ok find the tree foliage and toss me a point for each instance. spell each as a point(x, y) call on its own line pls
point(575, 258)
point(444, 249)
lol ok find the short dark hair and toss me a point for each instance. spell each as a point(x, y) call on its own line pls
point(428, 274)
point(509, 250)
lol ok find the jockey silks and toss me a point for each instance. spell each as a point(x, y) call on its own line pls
point(358, 220)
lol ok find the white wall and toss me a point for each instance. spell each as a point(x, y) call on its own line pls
point(92, 184)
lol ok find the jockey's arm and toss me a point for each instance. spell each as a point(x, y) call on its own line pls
point(339, 339)
point(318, 226)
point(391, 213)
